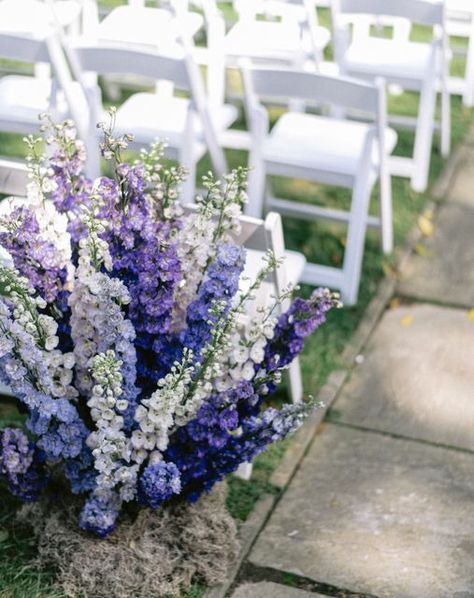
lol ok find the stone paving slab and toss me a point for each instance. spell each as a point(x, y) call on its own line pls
point(266, 589)
point(377, 515)
point(417, 377)
point(446, 274)
point(462, 189)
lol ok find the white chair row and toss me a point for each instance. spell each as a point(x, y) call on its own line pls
point(323, 149)
point(415, 66)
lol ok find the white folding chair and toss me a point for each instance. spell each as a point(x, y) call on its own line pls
point(13, 177)
point(163, 25)
point(259, 236)
point(415, 66)
point(460, 24)
point(23, 97)
point(138, 24)
point(276, 31)
point(185, 123)
point(326, 150)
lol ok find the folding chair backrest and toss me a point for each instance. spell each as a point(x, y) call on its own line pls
point(286, 10)
point(13, 177)
point(115, 59)
point(423, 12)
point(322, 89)
point(15, 46)
point(177, 65)
point(261, 235)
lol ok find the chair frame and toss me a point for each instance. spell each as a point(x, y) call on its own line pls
point(178, 67)
point(339, 92)
point(423, 12)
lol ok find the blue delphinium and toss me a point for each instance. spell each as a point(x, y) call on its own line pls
point(99, 514)
point(21, 465)
point(158, 483)
point(220, 285)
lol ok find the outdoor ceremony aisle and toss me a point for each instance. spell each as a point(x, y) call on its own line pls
point(383, 503)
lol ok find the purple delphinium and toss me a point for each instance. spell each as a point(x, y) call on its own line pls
point(71, 189)
point(220, 286)
point(301, 319)
point(229, 428)
point(21, 465)
point(158, 483)
point(144, 258)
point(33, 257)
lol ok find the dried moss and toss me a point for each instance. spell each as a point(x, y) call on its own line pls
point(157, 554)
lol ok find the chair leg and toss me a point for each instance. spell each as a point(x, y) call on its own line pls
point(295, 380)
point(189, 185)
point(386, 211)
point(468, 97)
point(244, 472)
point(424, 136)
point(445, 123)
point(256, 188)
point(356, 239)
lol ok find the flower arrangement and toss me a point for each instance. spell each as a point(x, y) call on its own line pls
point(124, 334)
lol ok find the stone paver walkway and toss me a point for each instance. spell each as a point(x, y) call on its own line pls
point(383, 503)
point(267, 589)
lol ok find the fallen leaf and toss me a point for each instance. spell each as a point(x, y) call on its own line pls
point(407, 320)
point(423, 250)
point(425, 225)
point(470, 314)
point(394, 303)
point(389, 270)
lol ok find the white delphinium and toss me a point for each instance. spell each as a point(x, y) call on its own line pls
point(111, 448)
point(216, 219)
point(52, 224)
point(162, 183)
point(251, 333)
point(158, 414)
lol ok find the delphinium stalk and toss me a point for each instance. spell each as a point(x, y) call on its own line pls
point(21, 465)
point(38, 374)
point(214, 222)
point(67, 186)
point(98, 323)
point(143, 251)
point(111, 447)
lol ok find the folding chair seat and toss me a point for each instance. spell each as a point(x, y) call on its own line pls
point(400, 60)
point(414, 66)
point(147, 114)
point(326, 150)
point(32, 17)
point(24, 97)
point(286, 40)
point(321, 144)
point(145, 25)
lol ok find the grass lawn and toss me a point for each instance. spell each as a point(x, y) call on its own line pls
point(19, 577)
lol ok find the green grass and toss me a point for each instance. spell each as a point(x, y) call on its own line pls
point(19, 576)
